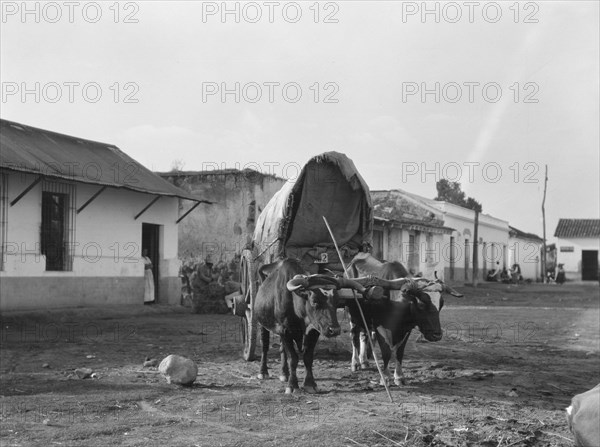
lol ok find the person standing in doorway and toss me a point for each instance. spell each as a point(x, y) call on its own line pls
point(560, 275)
point(148, 278)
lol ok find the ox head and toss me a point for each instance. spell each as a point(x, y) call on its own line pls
point(425, 308)
point(318, 302)
point(426, 301)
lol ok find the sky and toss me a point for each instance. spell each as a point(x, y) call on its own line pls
point(484, 93)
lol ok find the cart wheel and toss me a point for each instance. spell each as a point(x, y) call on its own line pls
point(249, 289)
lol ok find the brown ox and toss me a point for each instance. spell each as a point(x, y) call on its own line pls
point(418, 304)
point(298, 308)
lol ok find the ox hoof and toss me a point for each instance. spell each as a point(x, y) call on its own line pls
point(399, 382)
point(364, 365)
point(283, 379)
point(310, 389)
point(262, 376)
point(384, 382)
point(355, 367)
point(289, 390)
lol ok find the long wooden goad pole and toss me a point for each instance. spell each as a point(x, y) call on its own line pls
point(362, 315)
point(544, 266)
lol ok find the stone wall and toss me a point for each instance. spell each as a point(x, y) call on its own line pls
point(225, 227)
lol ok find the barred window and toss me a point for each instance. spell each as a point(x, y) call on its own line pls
point(485, 256)
point(3, 216)
point(413, 252)
point(58, 225)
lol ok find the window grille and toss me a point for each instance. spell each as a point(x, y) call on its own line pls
point(485, 256)
point(58, 225)
point(3, 216)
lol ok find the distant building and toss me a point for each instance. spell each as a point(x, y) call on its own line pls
point(75, 216)
point(228, 225)
point(492, 241)
point(454, 255)
point(577, 247)
point(525, 249)
point(408, 231)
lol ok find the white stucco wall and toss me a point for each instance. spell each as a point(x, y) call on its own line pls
point(572, 260)
point(491, 230)
point(429, 258)
point(107, 239)
point(526, 253)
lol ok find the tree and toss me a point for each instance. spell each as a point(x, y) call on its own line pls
point(473, 204)
point(451, 192)
point(177, 165)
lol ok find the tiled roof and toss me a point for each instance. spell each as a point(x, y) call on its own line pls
point(399, 206)
point(569, 228)
point(515, 232)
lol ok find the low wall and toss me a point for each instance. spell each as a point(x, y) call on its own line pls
point(47, 292)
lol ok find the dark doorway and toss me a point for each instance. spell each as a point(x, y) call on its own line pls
point(589, 265)
point(467, 258)
point(150, 242)
point(54, 219)
point(452, 257)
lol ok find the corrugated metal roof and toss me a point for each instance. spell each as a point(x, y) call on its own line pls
point(28, 149)
point(568, 228)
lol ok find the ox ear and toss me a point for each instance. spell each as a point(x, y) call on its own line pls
point(266, 270)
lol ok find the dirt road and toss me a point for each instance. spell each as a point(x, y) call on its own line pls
point(510, 361)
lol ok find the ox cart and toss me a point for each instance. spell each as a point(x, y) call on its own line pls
point(292, 226)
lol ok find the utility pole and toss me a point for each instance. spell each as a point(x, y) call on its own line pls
point(544, 274)
point(475, 248)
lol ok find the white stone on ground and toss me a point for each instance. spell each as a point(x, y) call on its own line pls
point(178, 369)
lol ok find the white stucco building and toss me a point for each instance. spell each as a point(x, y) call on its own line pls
point(409, 231)
point(525, 249)
point(451, 244)
point(75, 216)
point(577, 245)
point(458, 246)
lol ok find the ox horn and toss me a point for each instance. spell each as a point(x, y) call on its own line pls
point(452, 292)
point(447, 288)
point(297, 282)
point(307, 282)
point(374, 292)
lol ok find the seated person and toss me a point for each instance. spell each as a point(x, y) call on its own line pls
point(494, 275)
point(516, 270)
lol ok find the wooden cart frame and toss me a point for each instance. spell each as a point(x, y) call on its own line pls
point(293, 218)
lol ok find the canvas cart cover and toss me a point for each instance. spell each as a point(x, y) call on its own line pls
point(292, 222)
